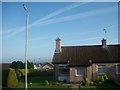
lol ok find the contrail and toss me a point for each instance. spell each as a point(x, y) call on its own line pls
point(66, 18)
point(77, 16)
point(88, 39)
point(57, 12)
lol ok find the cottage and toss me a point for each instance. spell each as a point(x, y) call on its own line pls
point(75, 63)
point(43, 66)
point(47, 66)
point(37, 66)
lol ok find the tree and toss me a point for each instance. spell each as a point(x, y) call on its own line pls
point(12, 81)
point(29, 65)
point(17, 65)
point(13, 65)
point(21, 65)
point(19, 73)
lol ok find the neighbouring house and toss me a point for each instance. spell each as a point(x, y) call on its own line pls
point(43, 66)
point(37, 66)
point(48, 65)
point(75, 63)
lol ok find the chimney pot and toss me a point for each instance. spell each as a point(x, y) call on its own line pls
point(104, 45)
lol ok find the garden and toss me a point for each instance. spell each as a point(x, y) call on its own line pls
point(36, 79)
point(43, 79)
point(102, 83)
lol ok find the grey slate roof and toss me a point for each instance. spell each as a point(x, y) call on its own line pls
point(81, 55)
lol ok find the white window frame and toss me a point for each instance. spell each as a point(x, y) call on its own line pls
point(76, 74)
point(99, 68)
point(117, 69)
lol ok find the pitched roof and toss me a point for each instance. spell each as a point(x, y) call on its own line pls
point(49, 64)
point(81, 55)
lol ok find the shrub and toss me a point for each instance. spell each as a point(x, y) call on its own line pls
point(102, 79)
point(83, 83)
point(91, 83)
point(12, 81)
point(46, 82)
point(105, 77)
point(87, 82)
point(98, 79)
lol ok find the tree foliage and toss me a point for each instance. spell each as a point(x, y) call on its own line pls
point(12, 81)
point(21, 65)
point(17, 65)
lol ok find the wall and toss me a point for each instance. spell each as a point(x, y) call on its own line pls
point(73, 77)
point(91, 73)
point(110, 71)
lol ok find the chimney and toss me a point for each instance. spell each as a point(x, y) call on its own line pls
point(58, 45)
point(104, 45)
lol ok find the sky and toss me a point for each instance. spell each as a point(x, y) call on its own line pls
point(75, 23)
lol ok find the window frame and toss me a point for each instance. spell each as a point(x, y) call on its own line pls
point(76, 71)
point(101, 68)
point(117, 68)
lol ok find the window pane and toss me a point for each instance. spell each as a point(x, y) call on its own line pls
point(80, 71)
point(101, 69)
point(118, 68)
point(64, 71)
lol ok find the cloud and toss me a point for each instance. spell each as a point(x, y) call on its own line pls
point(57, 12)
point(14, 31)
point(88, 39)
point(46, 20)
point(77, 16)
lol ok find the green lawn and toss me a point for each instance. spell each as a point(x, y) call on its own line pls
point(39, 79)
point(105, 86)
point(41, 87)
point(37, 82)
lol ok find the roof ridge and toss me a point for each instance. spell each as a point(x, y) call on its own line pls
point(91, 45)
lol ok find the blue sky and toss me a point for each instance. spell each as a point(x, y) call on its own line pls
point(75, 23)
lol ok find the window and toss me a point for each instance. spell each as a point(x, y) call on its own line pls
point(101, 69)
point(64, 71)
point(118, 69)
point(80, 71)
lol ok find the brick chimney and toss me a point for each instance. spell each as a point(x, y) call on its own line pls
point(104, 45)
point(58, 45)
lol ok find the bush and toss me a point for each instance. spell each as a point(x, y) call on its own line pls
point(105, 77)
point(40, 73)
point(91, 83)
point(87, 82)
point(102, 79)
point(83, 83)
point(12, 81)
point(46, 82)
point(98, 79)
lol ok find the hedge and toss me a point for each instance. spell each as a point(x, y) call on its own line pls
point(12, 81)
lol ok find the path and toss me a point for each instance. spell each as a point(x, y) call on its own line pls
point(75, 87)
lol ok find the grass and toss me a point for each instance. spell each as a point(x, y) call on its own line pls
point(39, 79)
point(37, 82)
point(104, 86)
point(48, 87)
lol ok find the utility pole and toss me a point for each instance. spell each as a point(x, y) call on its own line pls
point(26, 45)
